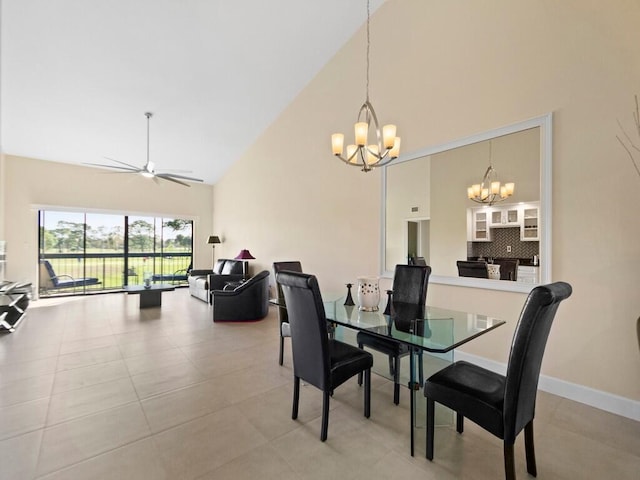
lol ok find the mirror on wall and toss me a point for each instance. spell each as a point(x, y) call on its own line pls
point(427, 215)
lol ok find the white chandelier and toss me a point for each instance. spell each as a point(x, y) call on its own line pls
point(489, 190)
point(364, 154)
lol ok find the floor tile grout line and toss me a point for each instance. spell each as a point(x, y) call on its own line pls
point(109, 450)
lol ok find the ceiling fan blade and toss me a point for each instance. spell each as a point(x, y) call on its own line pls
point(123, 163)
point(134, 169)
point(164, 170)
point(166, 177)
point(148, 169)
point(193, 179)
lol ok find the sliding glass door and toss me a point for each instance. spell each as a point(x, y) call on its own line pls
point(92, 252)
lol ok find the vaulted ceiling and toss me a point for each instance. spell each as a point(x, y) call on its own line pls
point(77, 76)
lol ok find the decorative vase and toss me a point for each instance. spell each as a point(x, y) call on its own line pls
point(368, 294)
point(147, 279)
point(389, 308)
point(349, 299)
point(493, 271)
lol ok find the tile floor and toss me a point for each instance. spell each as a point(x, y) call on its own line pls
point(94, 388)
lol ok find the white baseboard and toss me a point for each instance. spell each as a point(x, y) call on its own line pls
point(579, 393)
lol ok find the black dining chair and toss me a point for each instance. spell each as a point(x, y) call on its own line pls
point(472, 268)
point(502, 405)
point(410, 284)
point(508, 268)
point(293, 266)
point(417, 261)
point(321, 361)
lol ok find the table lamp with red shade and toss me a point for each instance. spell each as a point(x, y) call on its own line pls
point(245, 255)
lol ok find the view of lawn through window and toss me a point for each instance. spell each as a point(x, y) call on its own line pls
point(92, 252)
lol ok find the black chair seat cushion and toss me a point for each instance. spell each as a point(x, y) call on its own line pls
point(346, 361)
point(474, 392)
point(384, 345)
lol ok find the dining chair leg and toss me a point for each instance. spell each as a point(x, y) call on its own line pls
point(430, 427)
point(367, 393)
point(530, 449)
point(360, 374)
point(392, 365)
point(509, 462)
point(296, 397)
point(281, 350)
point(396, 380)
point(459, 422)
point(325, 415)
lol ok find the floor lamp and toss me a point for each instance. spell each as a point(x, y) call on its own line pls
point(213, 239)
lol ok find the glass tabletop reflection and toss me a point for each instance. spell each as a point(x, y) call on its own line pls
point(432, 329)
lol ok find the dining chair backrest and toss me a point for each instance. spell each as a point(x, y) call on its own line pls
point(309, 334)
point(417, 261)
point(525, 358)
point(472, 268)
point(410, 284)
point(292, 266)
point(508, 268)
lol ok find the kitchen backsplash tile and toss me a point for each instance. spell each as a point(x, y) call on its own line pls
point(501, 238)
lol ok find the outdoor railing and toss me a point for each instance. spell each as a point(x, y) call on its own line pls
point(109, 269)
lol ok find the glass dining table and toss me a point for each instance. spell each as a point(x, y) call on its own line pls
point(437, 331)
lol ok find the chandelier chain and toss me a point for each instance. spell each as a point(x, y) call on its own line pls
point(368, 48)
point(490, 156)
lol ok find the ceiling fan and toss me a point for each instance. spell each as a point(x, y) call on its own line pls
point(148, 170)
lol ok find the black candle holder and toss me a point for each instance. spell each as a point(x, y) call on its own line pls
point(389, 308)
point(349, 301)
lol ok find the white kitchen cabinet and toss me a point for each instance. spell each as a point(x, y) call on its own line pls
point(530, 230)
point(480, 231)
point(505, 217)
point(525, 216)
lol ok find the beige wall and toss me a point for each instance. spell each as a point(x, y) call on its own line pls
point(407, 187)
point(446, 70)
point(34, 183)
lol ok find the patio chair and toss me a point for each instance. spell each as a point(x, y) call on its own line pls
point(49, 280)
point(177, 276)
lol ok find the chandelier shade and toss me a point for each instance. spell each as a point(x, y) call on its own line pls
point(366, 153)
point(490, 190)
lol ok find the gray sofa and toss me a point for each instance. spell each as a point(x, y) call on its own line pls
point(202, 282)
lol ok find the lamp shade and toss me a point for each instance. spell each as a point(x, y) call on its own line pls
point(213, 239)
point(245, 255)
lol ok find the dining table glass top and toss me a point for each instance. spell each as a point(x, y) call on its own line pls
point(432, 329)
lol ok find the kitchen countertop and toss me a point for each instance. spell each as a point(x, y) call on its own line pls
point(525, 262)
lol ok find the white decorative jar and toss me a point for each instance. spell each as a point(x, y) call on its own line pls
point(493, 271)
point(368, 293)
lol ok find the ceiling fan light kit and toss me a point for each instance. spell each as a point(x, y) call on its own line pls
point(149, 168)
